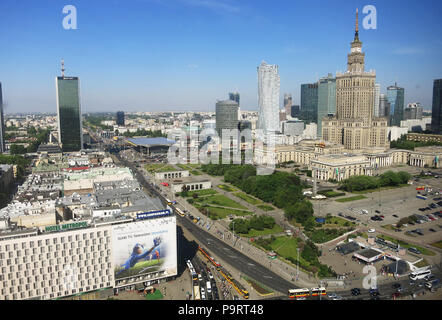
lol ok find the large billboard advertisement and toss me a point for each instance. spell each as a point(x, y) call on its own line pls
point(144, 247)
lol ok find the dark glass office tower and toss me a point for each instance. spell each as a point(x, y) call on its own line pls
point(2, 123)
point(120, 118)
point(395, 96)
point(70, 134)
point(234, 96)
point(436, 114)
point(309, 102)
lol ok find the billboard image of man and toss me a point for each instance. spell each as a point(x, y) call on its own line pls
point(139, 254)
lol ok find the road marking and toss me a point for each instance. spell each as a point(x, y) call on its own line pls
point(251, 264)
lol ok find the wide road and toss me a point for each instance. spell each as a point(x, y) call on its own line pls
point(233, 257)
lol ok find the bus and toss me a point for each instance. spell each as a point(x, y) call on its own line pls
point(417, 275)
point(207, 255)
point(192, 270)
point(170, 202)
point(180, 212)
point(421, 197)
point(196, 292)
point(298, 293)
point(316, 292)
point(420, 188)
point(240, 289)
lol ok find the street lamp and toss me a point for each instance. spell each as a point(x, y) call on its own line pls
point(233, 232)
point(297, 267)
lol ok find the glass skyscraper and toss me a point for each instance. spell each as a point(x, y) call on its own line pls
point(309, 102)
point(70, 134)
point(395, 96)
point(234, 96)
point(268, 98)
point(120, 118)
point(436, 113)
point(326, 99)
point(2, 123)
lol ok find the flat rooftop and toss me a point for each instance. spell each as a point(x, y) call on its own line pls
point(150, 142)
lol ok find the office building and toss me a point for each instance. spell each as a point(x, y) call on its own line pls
point(326, 100)
point(295, 110)
point(395, 96)
point(436, 114)
point(384, 106)
point(2, 123)
point(377, 93)
point(309, 102)
point(354, 125)
point(70, 132)
point(288, 104)
point(293, 128)
point(234, 96)
point(413, 111)
point(226, 116)
point(120, 118)
point(268, 98)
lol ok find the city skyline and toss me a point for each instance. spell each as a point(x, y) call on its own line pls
point(174, 69)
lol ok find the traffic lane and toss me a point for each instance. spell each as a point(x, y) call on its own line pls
point(235, 258)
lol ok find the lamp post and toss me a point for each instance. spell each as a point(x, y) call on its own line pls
point(233, 232)
point(297, 267)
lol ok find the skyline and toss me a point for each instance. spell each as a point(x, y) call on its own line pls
point(202, 50)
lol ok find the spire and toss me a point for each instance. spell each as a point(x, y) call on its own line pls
point(357, 26)
point(62, 67)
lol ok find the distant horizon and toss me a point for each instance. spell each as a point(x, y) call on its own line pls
point(153, 54)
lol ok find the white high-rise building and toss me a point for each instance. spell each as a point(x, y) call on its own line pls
point(377, 93)
point(268, 98)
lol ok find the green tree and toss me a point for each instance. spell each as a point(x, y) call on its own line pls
point(17, 149)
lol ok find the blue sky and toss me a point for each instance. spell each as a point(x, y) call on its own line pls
point(153, 55)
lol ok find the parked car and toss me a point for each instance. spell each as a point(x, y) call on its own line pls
point(414, 250)
point(432, 230)
point(397, 286)
point(355, 292)
point(374, 292)
point(377, 211)
point(430, 277)
point(371, 230)
point(395, 215)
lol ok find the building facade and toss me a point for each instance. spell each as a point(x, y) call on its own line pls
point(413, 111)
point(120, 118)
point(436, 115)
point(309, 102)
point(288, 104)
point(326, 100)
point(377, 93)
point(395, 96)
point(226, 116)
point(70, 132)
point(268, 98)
point(234, 96)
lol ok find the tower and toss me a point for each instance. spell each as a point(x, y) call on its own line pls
point(70, 131)
point(268, 98)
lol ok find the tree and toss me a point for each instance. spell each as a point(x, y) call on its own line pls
point(17, 149)
point(240, 226)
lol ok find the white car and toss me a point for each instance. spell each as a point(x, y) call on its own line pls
point(371, 230)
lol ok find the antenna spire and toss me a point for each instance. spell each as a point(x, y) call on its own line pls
point(357, 25)
point(62, 67)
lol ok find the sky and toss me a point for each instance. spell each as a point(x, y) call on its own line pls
point(182, 55)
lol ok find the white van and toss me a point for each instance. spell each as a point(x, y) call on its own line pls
point(417, 275)
point(209, 287)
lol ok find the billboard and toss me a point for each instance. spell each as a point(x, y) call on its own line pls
point(144, 247)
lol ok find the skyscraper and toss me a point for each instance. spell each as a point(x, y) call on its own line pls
point(226, 116)
point(70, 132)
point(288, 104)
point(234, 96)
point(413, 111)
point(120, 118)
point(309, 102)
point(354, 125)
point(377, 93)
point(326, 100)
point(436, 114)
point(384, 106)
point(268, 98)
point(2, 123)
point(395, 96)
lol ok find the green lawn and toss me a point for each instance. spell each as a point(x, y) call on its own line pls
point(204, 192)
point(406, 245)
point(220, 200)
point(247, 198)
point(259, 287)
point(325, 235)
point(154, 296)
point(265, 207)
point(337, 221)
point(159, 167)
point(195, 173)
point(257, 233)
point(221, 213)
point(421, 264)
point(227, 188)
point(354, 198)
point(437, 244)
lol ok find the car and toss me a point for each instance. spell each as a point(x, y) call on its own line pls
point(421, 209)
point(377, 211)
point(371, 230)
point(332, 295)
point(430, 277)
point(414, 250)
point(397, 286)
point(338, 298)
point(355, 292)
point(432, 230)
point(374, 292)
point(395, 215)
point(383, 217)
